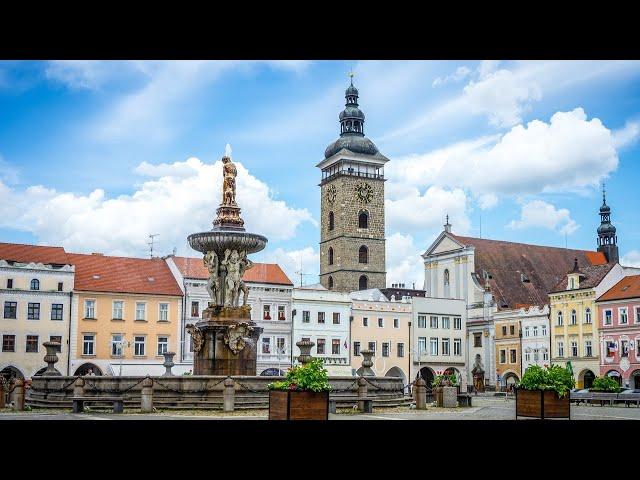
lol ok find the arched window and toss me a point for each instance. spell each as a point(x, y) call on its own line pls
point(362, 282)
point(330, 282)
point(330, 256)
point(35, 284)
point(330, 220)
point(573, 317)
point(587, 316)
point(363, 220)
point(363, 254)
point(446, 277)
point(560, 318)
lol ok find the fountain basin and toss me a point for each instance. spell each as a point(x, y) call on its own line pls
point(218, 240)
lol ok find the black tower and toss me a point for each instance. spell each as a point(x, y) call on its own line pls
point(607, 239)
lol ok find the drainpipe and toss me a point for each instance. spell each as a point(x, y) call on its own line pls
point(183, 320)
point(521, 357)
point(69, 336)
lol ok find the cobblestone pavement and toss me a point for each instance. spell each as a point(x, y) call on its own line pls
point(485, 408)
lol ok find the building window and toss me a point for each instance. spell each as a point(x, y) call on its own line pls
point(545, 355)
point(32, 344)
point(561, 349)
point(637, 309)
point(365, 322)
point(9, 282)
point(385, 349)
point(380, 322)
point(559, 318)
point(512, 329)
point(571, 283)
point(306, 316)
point(356, 349)
point(433, 322)
point(336, 318)
point(504, 330)
point(574, 349)
point(588, 351)
point(512, 356)
point(587, 316)
point(400, 349)
point(331, 224)
point(163, 345)
point(164, 312)
point(363, 254)
point(280, 346)
point(396, 323)
point(266, 312)
point(139, 346)
point(60, 286)
point(362, 282)
point(457, 346)
point(607, 317)
point(335, 346)
point(445, 322)
point(433, 346)
point(445, 346)
point(574, 317)
point(33, 311)
point(10, 309)
point(320, 317)
point(8, 343)
point(526, 331)
point(330, 282)
point(446, 277)
point(535, 331)
point(88, 342)
point(141, 311)
point(544, 330)
point(89, 309)
point(195, 309)
point(363, 220)
point(56, 311)
point(503, 356)
point(116, 345)
point(118, 307)
point(527, 356)
point(281, 313)
point(457, 323)
point(372, 347)
point(266, 345)
point(422, 321)
point(422, 345)
point(330, 255)
point(56, 339)
point(477, 340)
point(623, 316)
point(624, 351)
point(35, 284)
point(320, 346)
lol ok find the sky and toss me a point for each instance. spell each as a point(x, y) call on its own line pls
point(97, 155)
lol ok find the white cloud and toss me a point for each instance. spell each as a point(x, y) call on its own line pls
point(487, 201)
point(626, 135)
point(173, 204)
point(8, 173)
point(631, 259)
point(404, 264)
point(540, 214)
point(94, 74)
point(460, 73)
point(305, 260)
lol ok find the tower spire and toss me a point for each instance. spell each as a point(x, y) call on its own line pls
point(607, 238)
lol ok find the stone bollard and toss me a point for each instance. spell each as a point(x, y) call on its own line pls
point(367, 363)
point(168, 363)
point(18, 395)
point(362, 393)
point(78, 387)
point(229, 396)
point(305, 347)
point(420, 394)
point(146, 396)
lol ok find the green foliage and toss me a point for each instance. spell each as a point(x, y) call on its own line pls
point(311, 376)
point(444, 380)
point(554, 377)
point(605, 384)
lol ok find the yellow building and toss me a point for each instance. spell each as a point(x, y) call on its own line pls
point(126, 313)
point(507, 347)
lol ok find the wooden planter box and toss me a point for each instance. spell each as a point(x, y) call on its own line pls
point(293, 405)
point(542, 404)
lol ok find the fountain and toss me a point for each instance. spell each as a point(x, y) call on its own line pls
point(225, 340)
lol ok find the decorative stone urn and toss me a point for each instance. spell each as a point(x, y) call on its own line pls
point(168, 363)
point(51, 358)
point(367, 363)
point(305, 347)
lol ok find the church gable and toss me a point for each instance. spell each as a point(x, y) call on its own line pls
point(443, 243)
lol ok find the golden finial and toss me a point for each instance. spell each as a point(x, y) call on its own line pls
point(351, 75)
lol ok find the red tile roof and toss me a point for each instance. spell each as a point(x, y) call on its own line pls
point(101, 273)
point(33, 253)
point(260, 273)
point(591, 277)
point(628, 287)
point(543, 267)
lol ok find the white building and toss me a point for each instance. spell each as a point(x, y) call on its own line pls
point(36, 285)
point(323, 317)
point(270, 300)
point(536, 336)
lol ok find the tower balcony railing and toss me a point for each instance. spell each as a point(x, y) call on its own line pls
point(354, 173)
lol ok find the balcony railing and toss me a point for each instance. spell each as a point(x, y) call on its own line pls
point(353, 173)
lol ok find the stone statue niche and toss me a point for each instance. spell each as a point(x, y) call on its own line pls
point(478, 374)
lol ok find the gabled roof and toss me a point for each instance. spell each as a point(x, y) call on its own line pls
point(628, 287)
point(590, 277)
point(260, 273)
point(101, 273)
point(21, 253)
point(523, 274)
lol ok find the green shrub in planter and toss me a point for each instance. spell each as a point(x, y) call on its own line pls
point(310, 376)
point(605, 384)
point(554, 377)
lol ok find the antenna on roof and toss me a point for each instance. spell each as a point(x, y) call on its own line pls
point(565, 240)
point(151, 241)
point(480, 224)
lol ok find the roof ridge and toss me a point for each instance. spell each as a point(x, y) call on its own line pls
point(521, 243)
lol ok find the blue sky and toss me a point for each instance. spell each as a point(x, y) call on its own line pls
point(95, 156)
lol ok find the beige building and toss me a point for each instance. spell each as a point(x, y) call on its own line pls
point(382, 326)
point(507, 348)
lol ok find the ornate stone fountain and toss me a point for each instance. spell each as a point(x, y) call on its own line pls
point(225, 340)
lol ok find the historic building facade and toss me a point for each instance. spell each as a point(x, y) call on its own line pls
point(536, 336)
point(618, 314)
point(322, 316)
point(352, 236)
point(36, 285)
point(507, 348)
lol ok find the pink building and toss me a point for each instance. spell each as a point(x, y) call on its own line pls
point(619, 326)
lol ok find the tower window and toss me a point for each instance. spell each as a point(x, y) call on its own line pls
point(330, 220)
point(330, 283)
point(330, 255)
point(363, 220)
point(363, 254)
point(362, 282)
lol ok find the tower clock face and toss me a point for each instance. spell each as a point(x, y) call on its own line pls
point(331, 193)
point(364, 192)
